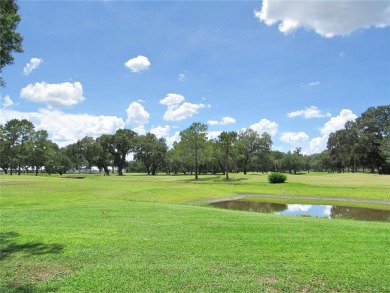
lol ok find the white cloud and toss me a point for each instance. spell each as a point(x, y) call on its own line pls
point(314, 83)
point(171, 139)
point(138, 64)
point(65, 128)
point(213, 134)
point(338, 122)
point(177, 111)
point(137, 115)
point(32, 65)
point(299, 207)
point(328, 211)
point(182, 112)
point(182, 77)
point(318, 144)
point(54, 95)
point(265, 125)
point(172, 99)
point(6, 102)
point(160, 131)
point(225, 120)
point(140, 129)
point(294, 137)
point(308, 112)
point(327, 18)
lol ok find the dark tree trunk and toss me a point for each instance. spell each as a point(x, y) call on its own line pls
point(106, 171)
point(196, 166)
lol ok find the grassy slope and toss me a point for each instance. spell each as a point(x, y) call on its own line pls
point(54, 236)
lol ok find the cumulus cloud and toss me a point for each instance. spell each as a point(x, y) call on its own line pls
point(318, 144)
point(327, 18)
point(54, 95)
point(294, 137)
point(338, 122)
point(178, 109)
point(32, 65)
point(172, 99)
point(6, 102)
point(265, 125)
point(160, 131)
point(137, 116)
point(138, 64)
point(309, 112)
point(65, 128)
point(182, 112)
point(225, 120)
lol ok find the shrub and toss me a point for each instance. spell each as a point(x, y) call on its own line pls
point(277, 178)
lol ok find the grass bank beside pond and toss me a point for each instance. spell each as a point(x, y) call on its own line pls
point(55, 236)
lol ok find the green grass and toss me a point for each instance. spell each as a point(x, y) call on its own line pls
point(55, 237)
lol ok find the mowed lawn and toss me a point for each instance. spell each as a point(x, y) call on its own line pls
point(140, 233)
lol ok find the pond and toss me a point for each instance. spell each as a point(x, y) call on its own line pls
point(313, 210)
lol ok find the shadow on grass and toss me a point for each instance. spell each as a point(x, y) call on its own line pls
point(218, 178)
point(26, 288)
point(8, 246)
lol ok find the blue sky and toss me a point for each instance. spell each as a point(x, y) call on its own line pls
point(296, 69)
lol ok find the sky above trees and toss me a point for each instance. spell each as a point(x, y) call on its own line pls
point(295, 69)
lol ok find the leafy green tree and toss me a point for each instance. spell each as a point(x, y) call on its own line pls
point(373, 127)
point(87, 149)
point(293, 162)
point(40, 149)
point(103, 158)
point(58, 160)
point(248, 143)
point(151, 151)
point(5, 150)
point(339, 149)
point(120, 145)
point(385, 153)
point(135, 167)
point(277, 159)
point(10, 40)
point(74, 153)
point(177, 160)
point(226, 142)
point(325, 161)
point(262, 156)
point(362, 142)
point(16, 134)
point(252, 148)
point(193, 140)
point(214, 157)
point(308, 162)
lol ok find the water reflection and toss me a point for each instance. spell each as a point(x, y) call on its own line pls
point(328, 211)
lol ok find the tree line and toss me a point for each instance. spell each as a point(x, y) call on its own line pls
point(362, 145)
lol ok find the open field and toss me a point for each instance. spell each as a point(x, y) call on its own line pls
point(55, 237)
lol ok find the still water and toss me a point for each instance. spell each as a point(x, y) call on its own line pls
point(327, 211)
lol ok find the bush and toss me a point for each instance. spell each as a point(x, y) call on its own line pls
point(277, 178)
